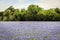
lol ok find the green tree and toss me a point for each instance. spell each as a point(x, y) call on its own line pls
point(57, 17)
point(32, 13)
point(8, 14)
point(41, 15)
point(34, 9)
point(57, 10)
point(1, 16)
point(16, 14)
point(22, 14)
point(50, 15)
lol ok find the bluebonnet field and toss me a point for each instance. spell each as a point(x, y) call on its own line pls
point(29, 30)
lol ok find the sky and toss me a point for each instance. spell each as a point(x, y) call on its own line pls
point(46, 4)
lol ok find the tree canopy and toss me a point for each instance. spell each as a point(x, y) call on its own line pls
point(32, 13)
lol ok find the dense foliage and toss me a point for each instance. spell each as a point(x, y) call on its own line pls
point(32, 13)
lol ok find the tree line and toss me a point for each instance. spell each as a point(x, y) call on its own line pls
point(32, 13)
